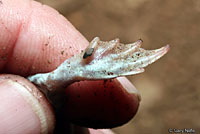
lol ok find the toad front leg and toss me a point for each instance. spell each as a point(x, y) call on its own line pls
point(101, 60)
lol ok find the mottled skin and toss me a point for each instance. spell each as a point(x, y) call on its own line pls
point(101, 60)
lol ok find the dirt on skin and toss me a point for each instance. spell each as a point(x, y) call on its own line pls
point(170, 87)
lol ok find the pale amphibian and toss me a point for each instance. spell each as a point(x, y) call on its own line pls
point(101, 60)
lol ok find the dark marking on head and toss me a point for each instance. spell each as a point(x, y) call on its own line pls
point(1, 2)
point(88, 52)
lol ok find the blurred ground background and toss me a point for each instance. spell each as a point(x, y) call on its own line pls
point(170, 87)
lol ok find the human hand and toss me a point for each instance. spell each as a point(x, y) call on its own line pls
point(35, 38)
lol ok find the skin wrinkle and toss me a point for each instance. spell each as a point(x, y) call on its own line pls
point(27, 25)
point(35, 58)
point(12, 49)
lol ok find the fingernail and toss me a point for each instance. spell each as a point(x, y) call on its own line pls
point(130, 88)
point(22, 112)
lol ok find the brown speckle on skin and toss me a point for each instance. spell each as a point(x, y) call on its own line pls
point(46, 44)
point(1, 2)
point(104, 84)
point(105, 81)
point(49, 62)
point(62, 52)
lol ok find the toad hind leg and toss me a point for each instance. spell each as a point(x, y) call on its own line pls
point(106, 60)
point(101, 60)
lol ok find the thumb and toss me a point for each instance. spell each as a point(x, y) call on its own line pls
point(23, 108)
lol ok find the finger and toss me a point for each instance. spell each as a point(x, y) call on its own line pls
point(35, 38)
point(101, 104)
point(23, 108)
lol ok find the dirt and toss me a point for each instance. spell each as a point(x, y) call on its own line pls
point(170, 87)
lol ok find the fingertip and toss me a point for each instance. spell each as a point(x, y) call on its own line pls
point(24, 108)
point(103, 104)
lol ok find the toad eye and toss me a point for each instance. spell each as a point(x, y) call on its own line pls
point(88, 52)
